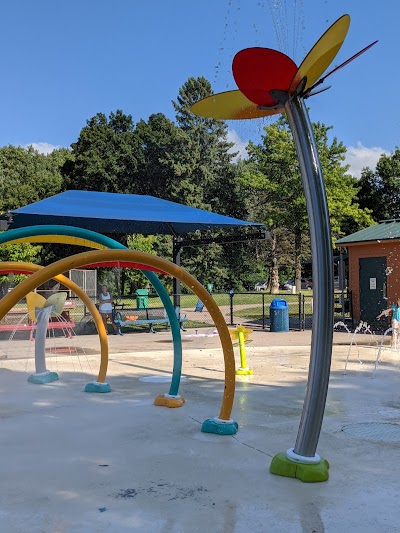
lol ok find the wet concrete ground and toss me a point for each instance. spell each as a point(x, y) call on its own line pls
point(77, 462)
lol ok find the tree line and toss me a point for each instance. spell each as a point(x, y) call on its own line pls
point(189, 160)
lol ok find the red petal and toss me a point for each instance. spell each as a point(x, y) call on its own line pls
point(260, 70)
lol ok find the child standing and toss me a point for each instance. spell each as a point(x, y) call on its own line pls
point(394, 310)
point(105, 308)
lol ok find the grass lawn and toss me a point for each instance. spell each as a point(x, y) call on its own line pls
point(255, 313)
point(190, 300)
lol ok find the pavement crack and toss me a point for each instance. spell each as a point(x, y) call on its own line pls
point(241, 442)
point(250, 446)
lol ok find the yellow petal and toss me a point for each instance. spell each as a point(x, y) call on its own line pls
point(34, 300)
point(230, 105)
point(58, 300)
point(322, 53)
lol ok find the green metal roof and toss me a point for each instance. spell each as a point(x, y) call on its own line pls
point(385, 230)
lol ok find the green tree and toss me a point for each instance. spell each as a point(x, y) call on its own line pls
point(380, 190)
point(165, 155)
point(342, 189)
point(205, 178)
point(27, 176)
point(21, 252)
point(210, 171)
point(105, 156)
point(140, 243)
point(275, 195)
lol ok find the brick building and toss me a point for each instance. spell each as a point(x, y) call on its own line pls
point(374, 268)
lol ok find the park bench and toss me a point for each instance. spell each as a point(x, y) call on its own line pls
point(128, 316)
point(31, 327)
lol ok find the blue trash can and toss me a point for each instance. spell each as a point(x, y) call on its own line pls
point(279, 315)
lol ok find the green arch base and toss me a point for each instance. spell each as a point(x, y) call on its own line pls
point(309, 473)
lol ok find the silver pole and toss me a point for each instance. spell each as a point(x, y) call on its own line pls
point(42, 321)
point(322, 265)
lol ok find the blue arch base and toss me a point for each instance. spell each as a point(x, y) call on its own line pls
point(219, 426)
point(96, 386)
point(43, 378)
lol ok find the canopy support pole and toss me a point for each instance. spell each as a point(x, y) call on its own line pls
point(176, 258)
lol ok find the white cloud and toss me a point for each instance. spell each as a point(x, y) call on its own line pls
point(239, 145)
point(42, 148)
point(361, 156)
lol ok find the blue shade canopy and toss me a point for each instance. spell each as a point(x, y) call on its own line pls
point(106, 212)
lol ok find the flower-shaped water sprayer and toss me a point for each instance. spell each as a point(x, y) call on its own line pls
point(269, 82)
point(40, 310)
point(267, 78)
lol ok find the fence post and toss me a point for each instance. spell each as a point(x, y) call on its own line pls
point(231, 295)
point(350, 296)
point(300, 311)
point(263, 310)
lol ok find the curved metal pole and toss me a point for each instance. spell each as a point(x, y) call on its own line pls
point(322, 266)
point(42, 321)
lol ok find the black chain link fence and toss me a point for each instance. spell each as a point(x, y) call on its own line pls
point(251, 309)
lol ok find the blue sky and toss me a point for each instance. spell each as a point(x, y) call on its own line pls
point(63, 62)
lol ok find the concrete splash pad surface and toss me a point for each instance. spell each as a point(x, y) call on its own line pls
point(76, 462)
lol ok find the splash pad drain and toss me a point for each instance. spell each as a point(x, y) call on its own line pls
point(377, 431)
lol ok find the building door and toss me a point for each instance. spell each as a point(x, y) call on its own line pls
point(373, 298)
